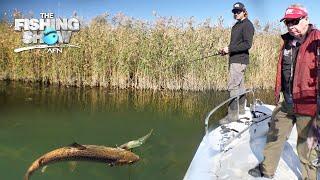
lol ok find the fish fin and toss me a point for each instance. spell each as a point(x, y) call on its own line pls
point(72, 165)
point(44, 168)
point(78, 146)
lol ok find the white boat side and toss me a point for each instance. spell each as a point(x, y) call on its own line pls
point(229, 151)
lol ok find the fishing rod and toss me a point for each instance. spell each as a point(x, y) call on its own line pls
point(204, 57)
point(183, 62)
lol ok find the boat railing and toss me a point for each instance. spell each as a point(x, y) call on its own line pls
point(247, 91)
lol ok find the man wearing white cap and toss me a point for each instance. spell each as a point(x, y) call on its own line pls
point(296, 95)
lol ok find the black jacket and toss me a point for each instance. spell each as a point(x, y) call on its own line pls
point(241, 41)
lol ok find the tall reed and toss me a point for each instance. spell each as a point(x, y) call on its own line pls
point(123, 52)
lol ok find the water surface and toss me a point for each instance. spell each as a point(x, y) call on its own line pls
point(35, 119)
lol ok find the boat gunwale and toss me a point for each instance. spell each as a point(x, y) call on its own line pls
point(206, 121)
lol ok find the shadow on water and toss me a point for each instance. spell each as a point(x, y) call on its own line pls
point(35, 119)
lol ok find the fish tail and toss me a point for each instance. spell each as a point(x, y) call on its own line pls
point(26, 176)
point(35, 165)
point(144, 138)
point(136, 143)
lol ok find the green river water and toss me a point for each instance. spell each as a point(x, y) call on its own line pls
point(35, 119)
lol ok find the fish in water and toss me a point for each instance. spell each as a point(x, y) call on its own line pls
point(136, 143)
point(77, 152)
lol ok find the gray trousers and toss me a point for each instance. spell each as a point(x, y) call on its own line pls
point(236, 85)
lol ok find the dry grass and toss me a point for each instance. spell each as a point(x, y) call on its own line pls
point(122, 52)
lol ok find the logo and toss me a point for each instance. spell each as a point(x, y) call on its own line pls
point(46, 33)
point(50, 36)
point(290, 11)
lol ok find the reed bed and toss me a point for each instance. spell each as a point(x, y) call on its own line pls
point(123, 52)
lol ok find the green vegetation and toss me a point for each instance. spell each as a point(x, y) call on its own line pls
point(122, 52)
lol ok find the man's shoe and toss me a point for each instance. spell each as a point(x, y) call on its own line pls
point(256, 172)
point(224, 120)
point(229, 118)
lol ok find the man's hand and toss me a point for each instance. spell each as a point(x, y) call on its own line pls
point(224, 51)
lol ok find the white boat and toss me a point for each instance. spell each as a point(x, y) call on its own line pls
point(229, 151)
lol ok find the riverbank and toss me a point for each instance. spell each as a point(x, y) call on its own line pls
point(122, 52)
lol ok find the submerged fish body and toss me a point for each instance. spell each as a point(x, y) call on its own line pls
point(77, 152)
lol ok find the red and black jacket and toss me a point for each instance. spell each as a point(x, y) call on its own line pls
point(304, 90)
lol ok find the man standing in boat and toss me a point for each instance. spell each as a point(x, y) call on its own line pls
point(240, 43)
point(295, 91)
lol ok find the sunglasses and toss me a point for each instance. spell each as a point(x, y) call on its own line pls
point(292, 22)
point(236, 11)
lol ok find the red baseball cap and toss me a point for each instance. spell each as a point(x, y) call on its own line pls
point(294, 13)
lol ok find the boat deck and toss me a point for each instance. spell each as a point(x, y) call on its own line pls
point(229, 151)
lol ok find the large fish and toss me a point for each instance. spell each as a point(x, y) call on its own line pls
point(77, 152)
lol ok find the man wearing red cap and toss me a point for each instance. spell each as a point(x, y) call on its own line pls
point(296, 94)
